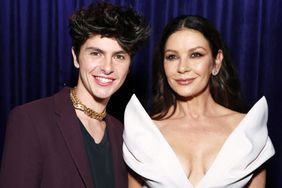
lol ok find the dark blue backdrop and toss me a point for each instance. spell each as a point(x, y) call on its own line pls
point(35, 58)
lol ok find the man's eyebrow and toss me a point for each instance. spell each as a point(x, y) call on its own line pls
point(120, 52)
point(95, 49)
point(102, 51)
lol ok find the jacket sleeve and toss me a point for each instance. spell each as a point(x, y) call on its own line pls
point(21, 160)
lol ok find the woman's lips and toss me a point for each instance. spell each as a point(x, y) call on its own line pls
point(185, 81)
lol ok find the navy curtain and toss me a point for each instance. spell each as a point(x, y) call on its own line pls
point(35, 57)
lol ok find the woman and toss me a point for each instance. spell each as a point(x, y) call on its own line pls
point(199, 135)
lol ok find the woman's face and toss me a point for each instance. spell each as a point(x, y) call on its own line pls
point(188, 62)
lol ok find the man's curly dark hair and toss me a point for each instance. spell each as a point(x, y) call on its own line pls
point(108, 20)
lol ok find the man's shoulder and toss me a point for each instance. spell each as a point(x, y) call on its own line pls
point(42, 103)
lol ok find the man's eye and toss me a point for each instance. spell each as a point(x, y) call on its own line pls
point(196, 54)
point(120, 57)
point(95, 53)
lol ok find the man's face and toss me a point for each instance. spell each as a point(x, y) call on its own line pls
point(103, 66)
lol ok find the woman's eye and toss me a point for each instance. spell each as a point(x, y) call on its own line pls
point(196, 54)
point(170, 57)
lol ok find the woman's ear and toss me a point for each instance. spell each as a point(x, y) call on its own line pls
point(218, 62)
point(75, 59)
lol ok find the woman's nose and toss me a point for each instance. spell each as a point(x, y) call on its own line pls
point(183, 66)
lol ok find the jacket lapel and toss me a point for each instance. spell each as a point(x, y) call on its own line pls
point(69, 125)
point(115, 136)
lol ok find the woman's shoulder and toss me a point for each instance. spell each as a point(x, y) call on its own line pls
point(259, 106)
point(257, 115)
point(231, 117)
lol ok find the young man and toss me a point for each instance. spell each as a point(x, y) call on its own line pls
point(68, 140)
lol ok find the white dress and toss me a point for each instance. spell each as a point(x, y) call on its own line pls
point(146, 151)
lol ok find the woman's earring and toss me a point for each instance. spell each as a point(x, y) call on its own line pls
point(214, 72)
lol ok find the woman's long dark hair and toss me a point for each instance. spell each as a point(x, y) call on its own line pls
point(224, 87)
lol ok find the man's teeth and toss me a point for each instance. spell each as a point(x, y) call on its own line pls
point(104, 80)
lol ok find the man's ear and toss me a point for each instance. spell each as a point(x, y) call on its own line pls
point(75, 59)
point(218, 62)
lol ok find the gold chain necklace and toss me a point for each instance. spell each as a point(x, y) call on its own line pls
point(88, 111)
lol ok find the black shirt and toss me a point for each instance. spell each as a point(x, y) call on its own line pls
point(100, 159)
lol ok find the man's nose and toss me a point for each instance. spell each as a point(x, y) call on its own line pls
point(107, 66)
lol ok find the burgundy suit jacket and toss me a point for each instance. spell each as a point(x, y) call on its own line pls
point(44, 147)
